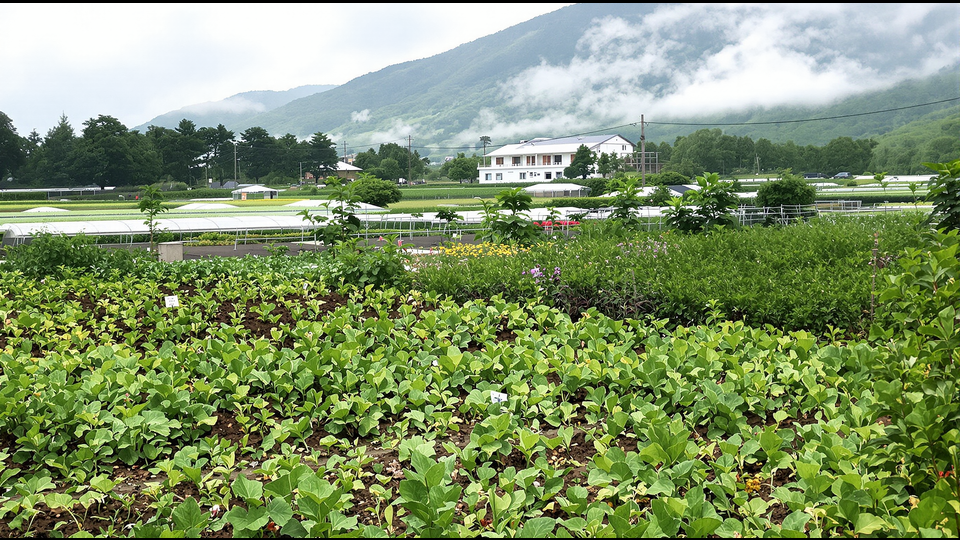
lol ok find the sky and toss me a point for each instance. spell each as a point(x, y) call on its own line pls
point(137, 61)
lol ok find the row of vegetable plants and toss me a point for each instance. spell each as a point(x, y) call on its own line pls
point(255, 403)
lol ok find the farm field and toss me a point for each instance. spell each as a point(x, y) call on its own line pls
point(259, 397)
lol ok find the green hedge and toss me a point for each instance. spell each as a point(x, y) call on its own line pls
point(810, 276)
point(23, 196)
point(199, 193)
point(869, 200)
point(587, 203)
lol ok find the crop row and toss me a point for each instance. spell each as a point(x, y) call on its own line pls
point(276, 404)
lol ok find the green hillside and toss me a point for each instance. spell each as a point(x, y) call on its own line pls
point(442, 100)
point(926, 140)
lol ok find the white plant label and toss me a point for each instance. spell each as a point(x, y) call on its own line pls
point(498, 397)
point(172, 301)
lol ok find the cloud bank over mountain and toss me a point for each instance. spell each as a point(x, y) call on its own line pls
point(692, 60)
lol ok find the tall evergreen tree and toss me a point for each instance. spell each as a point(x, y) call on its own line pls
point(12, 154)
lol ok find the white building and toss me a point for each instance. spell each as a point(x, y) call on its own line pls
point(543, 160)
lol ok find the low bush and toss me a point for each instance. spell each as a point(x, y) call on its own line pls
point(587, 203)
point(57, 256)
point(360, 266)
point(810, 276)
point(789, 190)
point(23, 196)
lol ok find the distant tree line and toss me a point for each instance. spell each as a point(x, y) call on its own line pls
point(709, 150)
point(108, 153)
point(392, 162)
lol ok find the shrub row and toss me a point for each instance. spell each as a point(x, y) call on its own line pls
point(810, 276)
point(23, 196)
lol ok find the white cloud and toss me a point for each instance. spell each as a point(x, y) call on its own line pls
point(137, 61)
point(235, 104)
point(359, 117)
point(800, 54)
point(397, 133)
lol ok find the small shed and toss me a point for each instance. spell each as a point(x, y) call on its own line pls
point(557, 190)
point(255, 192)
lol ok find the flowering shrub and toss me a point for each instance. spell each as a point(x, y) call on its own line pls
point(647, 247)
point(548, 285)
point(556, 223)
point(484, 249)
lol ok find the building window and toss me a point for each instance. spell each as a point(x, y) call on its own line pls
point(516, 160)
point(559, 175)
point(499, 176)
point(546, 176)
point(523, 176)
point(499, 161)
point(546, 160)
point(623, 147)
point(558, 160)
point(572, 157)
point(486, 176)
point(531, 160)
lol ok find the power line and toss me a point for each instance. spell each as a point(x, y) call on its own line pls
point(635, 124)
point(806, 119)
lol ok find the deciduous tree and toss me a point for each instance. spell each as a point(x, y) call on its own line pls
point(109, 154)
point(582, 165)
point(372, 190)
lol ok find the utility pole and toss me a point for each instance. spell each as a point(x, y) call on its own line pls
point(409, 161)
point(344, 152)
point(643, 155)
point(235, 162)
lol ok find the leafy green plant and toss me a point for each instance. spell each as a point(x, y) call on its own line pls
point(789, 189)
point(430, 495)
point(336, 229)
point(512, 228)
point(60, 255)
point(276, 250)
point(151, 205)
point(712, 205)
point(919, 391)
point(626, 201)
point(944, 193)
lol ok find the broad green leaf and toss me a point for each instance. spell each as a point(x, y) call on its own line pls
point(247, 489)
point(58, 500)
point(869, 523)
point(541, 527)
point(279, 510)
point(253, 519)
point(188, 516)
point(796, 521)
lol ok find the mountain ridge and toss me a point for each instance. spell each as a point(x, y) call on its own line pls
point(587, 66)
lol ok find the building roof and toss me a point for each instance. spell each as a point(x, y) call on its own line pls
point(561, 145)
point(346, 167)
